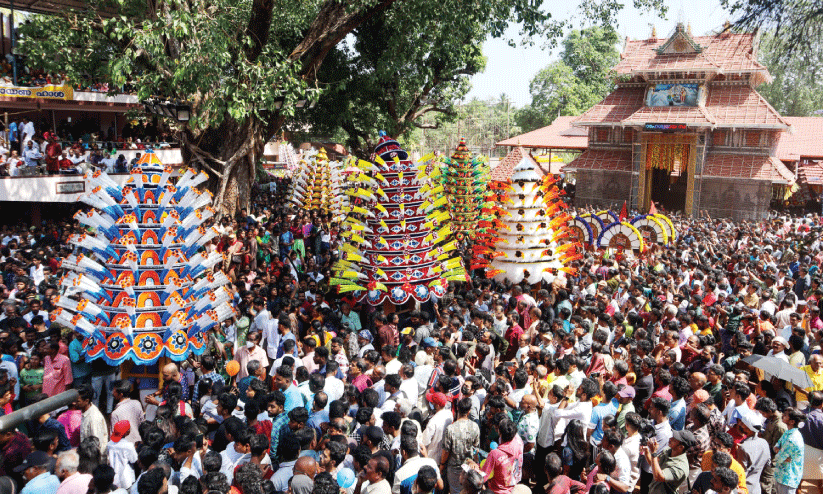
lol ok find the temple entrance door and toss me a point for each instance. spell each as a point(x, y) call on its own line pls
point(660, 186)
point(668, 161)
point(667, 190)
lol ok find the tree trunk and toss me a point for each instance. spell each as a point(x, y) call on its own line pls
point(229, 155)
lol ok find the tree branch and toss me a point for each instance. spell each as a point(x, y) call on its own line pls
point(332, 24)
point(259, 27)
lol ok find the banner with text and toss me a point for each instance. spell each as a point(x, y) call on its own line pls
point(44, 92)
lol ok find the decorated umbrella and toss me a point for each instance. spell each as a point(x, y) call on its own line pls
point(141, 285)
point(621, 235)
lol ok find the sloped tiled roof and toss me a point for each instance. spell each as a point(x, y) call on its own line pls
point(561, 134)
point(804, 141)
point(671, 114)
point(600, 159)
point(747, 167)
point(811, 173)
point(504, 170)
point(726, 52)
point(742, 106)
point(615, 107)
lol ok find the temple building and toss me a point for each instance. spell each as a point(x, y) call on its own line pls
point(685, 128)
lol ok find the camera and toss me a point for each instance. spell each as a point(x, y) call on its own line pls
point(646, 431)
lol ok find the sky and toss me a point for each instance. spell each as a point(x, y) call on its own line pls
point(509, 70)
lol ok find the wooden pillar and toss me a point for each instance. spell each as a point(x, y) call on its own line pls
point(690, 206)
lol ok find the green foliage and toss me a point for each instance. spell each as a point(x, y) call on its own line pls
point(482, 122)
point(795, 90)
point(410, 63)
point(578, 80)
point(195, 50)
point(796, 24)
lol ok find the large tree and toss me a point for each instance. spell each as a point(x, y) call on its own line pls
point(795, 88)
point(411, 64)
point(580, 78)
point(234, 59)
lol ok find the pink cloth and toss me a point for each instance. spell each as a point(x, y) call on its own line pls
point(76, 484)
point(56, 374)
point(71, 420)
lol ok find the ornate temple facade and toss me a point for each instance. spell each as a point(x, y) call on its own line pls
point(685, 128)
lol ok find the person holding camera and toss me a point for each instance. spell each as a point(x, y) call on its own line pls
point(670, 467)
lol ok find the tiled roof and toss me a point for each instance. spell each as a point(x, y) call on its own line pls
point(748, 167)
point(805, 140)
point(600, 159)
point(741, 106)
point(671, 114)
point(559, 135)
point(726, 52)
point(504, 170)
point(811, 173)
point(618, 105)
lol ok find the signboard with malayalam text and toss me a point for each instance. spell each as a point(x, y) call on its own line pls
point(74, 187)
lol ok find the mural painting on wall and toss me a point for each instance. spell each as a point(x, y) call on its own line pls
point(673, 95)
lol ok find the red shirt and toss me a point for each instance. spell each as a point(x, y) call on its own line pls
point(564, 485)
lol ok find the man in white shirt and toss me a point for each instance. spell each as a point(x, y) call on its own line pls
point(28, 130)
point(236, 453)
point(372, 480)
point(36, 272)
point(412, 463)
point(436, 428)
point(581, 409)
point(271, 335)
point(408, 384)
point(620, 479)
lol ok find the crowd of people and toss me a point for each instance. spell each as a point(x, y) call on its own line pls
point(26, 152)
point(634, 374)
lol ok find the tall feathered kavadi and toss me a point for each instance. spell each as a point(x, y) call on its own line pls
point(396, 231)
point(140, 285)
point(465, 179)
point(532, 240)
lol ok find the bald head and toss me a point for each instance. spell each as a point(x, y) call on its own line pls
point(697, 380)
point(528, 403)
point(170, 372)
point(378, 373)
point(307, 466)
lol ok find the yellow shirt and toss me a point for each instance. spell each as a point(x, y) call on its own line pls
point(707, 466)
point(815, 377)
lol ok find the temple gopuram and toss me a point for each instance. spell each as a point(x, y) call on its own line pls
point(686, 128)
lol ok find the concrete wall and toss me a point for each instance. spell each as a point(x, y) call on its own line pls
point(602, 188)
point(736, 199)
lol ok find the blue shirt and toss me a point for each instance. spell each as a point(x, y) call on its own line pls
point(45, 483)
point(79, 367)
point(677, 415)
point(281, 477)
point(13, 132)
point(31, 155)
point(317, 418)
point(294, 398)
point(598, 413)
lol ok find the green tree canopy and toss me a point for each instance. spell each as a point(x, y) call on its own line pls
point(580, 78)
point(795, 88)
